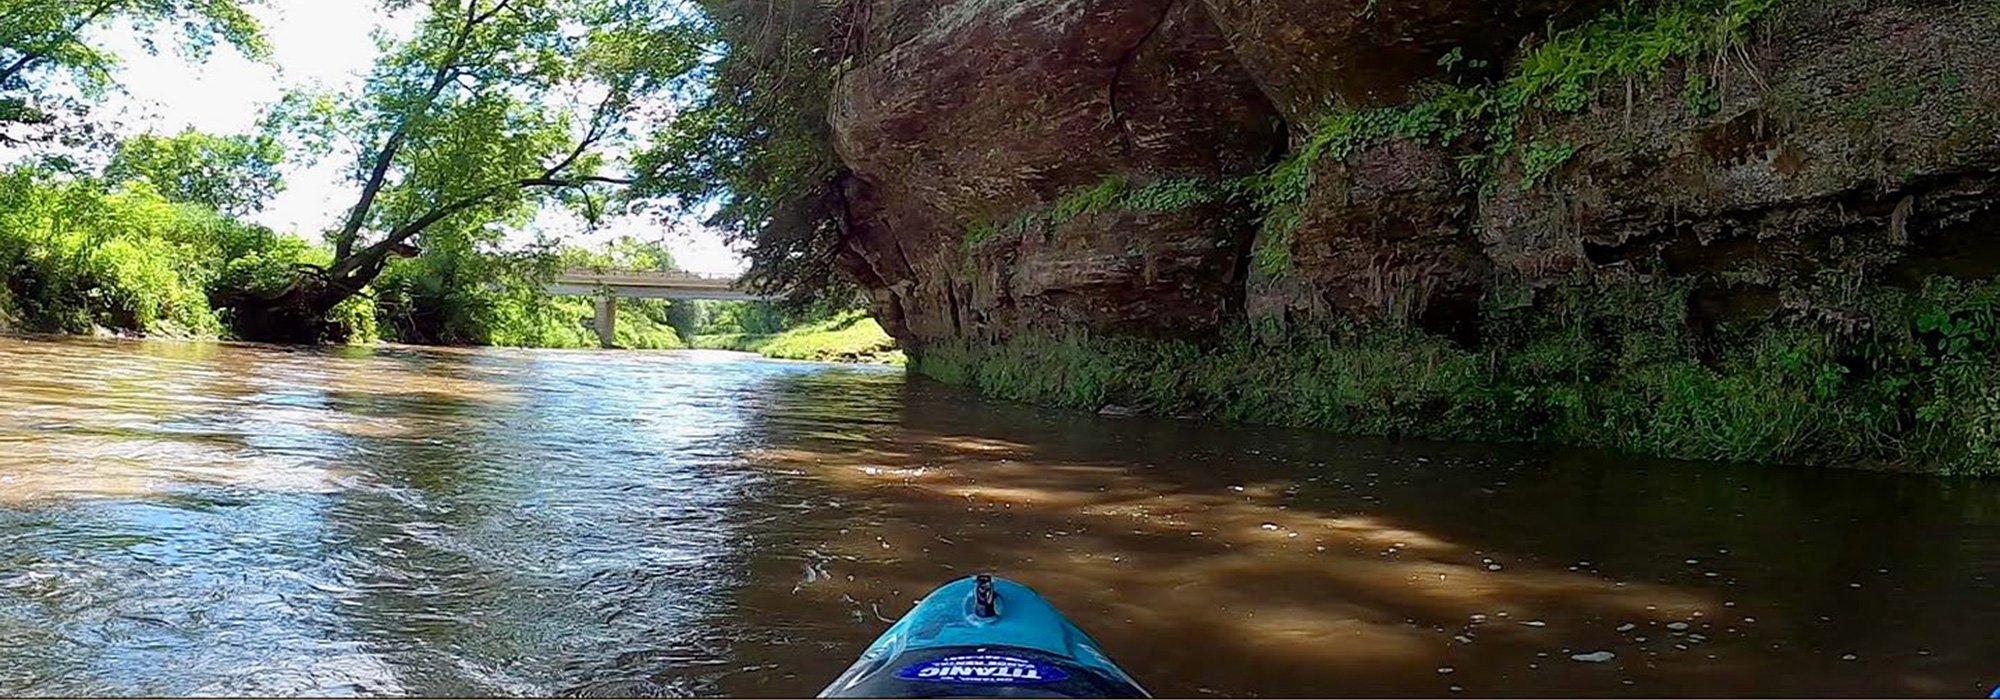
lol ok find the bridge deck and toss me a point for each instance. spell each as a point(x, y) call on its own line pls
point(649, 285)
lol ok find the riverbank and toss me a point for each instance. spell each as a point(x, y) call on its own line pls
point(97, 256)
point(325, 478)
point(1902, 379)
point(852, 337)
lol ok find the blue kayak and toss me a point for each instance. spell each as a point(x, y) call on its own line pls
point(984, 637)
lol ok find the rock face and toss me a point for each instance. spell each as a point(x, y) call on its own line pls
point(1871, 123)
point(1310, 56)
point(963, 112)
point(1382, 236)
point(1844, 133)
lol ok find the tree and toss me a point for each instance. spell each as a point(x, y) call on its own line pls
point(490, 110)
point(234, 175)
point(755, 152)
point(43, 39)
point(623, 253)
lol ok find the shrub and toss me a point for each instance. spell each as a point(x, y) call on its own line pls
point(77, 255)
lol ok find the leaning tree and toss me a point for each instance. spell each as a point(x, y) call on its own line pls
point(485, 112)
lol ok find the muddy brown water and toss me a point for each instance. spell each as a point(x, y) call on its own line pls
point(185, 518)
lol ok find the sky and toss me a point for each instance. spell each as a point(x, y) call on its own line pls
point(325, 43)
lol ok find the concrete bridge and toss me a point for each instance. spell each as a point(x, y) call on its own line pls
point(611, 285)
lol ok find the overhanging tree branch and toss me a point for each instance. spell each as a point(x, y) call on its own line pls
point(590, 136)
point(492, 109)
point(378, 174)
point(29, 56)
point(366, 263)
point(478, 19)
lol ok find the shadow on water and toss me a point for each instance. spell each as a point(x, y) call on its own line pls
point(182, 518)
point(1274, 562)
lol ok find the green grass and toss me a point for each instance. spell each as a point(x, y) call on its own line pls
point(852, 336)
point(739, 342)
point(1595, 365)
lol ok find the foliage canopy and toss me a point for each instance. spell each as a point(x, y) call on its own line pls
point(753, 154)
point(488, 111)
point(45, 41)
point(234, 175)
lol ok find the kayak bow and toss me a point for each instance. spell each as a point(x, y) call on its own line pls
point(984, 637)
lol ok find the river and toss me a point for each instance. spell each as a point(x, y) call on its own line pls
point(198, 518)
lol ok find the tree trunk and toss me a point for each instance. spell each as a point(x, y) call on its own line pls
point(299, 315)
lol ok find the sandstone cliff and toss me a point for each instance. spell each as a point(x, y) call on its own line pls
point(1844, 137)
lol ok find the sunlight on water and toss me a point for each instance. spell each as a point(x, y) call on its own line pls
point(185, 518)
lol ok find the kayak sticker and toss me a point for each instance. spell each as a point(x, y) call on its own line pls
point(993, 669)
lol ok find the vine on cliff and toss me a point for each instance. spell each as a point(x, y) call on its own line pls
point(1114, 194)
point(1562, 75)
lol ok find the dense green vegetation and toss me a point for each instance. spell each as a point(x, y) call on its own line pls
point(142, 246)
point(95, 254)
point(488, 113)
point(491, 111)
point(84, 254)
point(112, 253)
point(1617, 366)
point(851, 336)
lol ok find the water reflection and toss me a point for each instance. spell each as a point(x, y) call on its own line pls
point(203, 519)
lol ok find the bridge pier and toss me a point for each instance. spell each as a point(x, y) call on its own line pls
point(607, 286)
point(606, 321)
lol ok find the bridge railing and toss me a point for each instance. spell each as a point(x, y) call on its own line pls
point(661, 275)
point(649, 284)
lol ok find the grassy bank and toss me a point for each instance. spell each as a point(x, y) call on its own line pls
point(848, 337)
point(1903, 378)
